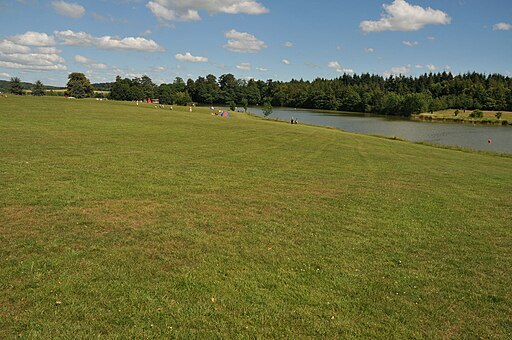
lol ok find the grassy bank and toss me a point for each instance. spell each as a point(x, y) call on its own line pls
point(461, 116)
point(119, 221)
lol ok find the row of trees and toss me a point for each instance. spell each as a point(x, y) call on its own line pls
point(15, 87)
point(78, 86)
point(398, 95)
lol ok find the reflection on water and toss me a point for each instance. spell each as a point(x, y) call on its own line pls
point(454, 134)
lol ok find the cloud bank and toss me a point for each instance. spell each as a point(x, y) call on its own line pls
point(181, 10)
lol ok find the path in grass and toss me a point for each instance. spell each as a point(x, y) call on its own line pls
point(159, 223)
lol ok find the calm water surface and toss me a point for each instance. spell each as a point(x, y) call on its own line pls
point(454, 134)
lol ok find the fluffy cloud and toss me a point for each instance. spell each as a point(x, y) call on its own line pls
point(261, 69)
point(243, 42)
point(369, 50)
point(15, 54)
point(4, 75)
point(190, 58)
point(244, 66)
point(32, 61)
point(180, 10)
point(33, 39)
point(402, 16)
point(288, 44)
point(49, 50)
point(410, 43)
point(431, 67)
point(502, 26)
point(10, 47)
point(69, 9)
point(90, 63)
point(336, 66)
point(397, 70)
point(72, 38)
point(286, 61)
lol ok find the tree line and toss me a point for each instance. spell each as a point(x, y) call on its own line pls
point(394, 95)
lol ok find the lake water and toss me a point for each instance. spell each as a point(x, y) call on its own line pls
point(454, 134)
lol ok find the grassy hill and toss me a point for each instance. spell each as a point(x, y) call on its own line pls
point(125, 221)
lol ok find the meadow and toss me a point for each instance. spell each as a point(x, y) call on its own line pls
point(125, 221)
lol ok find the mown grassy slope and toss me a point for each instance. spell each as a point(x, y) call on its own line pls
point(122, 221)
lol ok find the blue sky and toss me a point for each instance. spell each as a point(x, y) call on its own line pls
point(261, 39)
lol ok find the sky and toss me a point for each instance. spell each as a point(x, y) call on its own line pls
point(260, 39)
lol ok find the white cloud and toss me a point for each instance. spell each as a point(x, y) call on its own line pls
point(243, 42)
point(369, 50)
point(48, 50)
point(190, 58)
point(336, 66)
point(15, 54)
point(397, 70)
point(188, 10)
point(4, 75)
point(37, 59)
point(418, 66)
point(261, 69)
point(33, 39)
point(410, 43)
point(402, 16)
point(90, 63)
point(288, 44)
point(286, 61)
point(147, 32)
point(69, 9)
point(158, 69)
point(244, 66)
point(502, 26)
point(7, 46)
point(431, 38)
point(107, 42)
point(32, 61)
point(431, 67)
point(57, 67)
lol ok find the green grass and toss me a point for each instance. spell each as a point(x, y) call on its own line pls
point(118, 221)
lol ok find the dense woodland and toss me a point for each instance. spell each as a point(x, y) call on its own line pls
point(396, 95)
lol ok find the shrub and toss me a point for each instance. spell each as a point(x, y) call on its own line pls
point(476, 114)
point(498, 115)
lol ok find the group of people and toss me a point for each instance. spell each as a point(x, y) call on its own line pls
point(294, 121)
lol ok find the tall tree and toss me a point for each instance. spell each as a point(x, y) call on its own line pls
point(38, 89)
point(79, 86)
point(15, 86)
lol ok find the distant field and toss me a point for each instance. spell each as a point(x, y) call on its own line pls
point(464, 115)
point(126, 221)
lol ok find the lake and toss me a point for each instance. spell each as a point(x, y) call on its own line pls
point(453, 134)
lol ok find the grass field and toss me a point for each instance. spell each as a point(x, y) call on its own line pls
point(125, 221)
